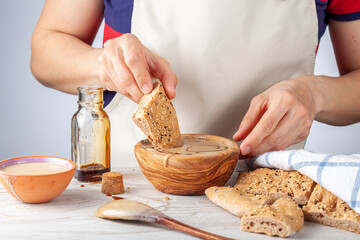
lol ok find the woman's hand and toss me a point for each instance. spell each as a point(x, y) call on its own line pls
point(277, 118)
point(127, 66)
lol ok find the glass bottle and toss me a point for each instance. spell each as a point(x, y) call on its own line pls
point(90, 135)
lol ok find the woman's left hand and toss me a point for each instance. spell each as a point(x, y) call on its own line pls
point(277, 118)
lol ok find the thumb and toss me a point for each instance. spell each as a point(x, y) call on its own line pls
point(160, 69)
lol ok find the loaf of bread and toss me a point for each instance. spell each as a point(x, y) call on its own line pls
point(157, 119)
point(262, 198)
point(282, 218)
point(112, 183)
point(277, 183)
point(325, 208)
point(236, 201)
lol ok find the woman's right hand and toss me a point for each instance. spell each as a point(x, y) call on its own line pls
point(127, 67)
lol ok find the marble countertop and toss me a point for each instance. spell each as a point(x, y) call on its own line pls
point(70, 216)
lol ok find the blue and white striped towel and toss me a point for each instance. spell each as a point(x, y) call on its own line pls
point(340, 174)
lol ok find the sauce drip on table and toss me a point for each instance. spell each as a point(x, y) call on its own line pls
point(117, 198)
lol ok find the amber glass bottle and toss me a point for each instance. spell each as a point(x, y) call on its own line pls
point(90, 135)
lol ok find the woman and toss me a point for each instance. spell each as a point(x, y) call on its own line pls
point(238, 62)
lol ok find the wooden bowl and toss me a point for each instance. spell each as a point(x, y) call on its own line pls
point(182, 174)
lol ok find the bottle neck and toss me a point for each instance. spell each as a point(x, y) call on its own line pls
point(91, 97)
point(90, 105)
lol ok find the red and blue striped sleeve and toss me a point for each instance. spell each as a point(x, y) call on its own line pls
point(343, 10)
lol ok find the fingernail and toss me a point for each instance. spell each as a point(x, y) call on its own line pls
point(145, 88)
point(245, 150)
point(237, 133)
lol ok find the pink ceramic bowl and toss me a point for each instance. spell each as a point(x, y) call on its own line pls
point(36, 188)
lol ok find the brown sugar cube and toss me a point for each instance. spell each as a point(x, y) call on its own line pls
point(112, 183)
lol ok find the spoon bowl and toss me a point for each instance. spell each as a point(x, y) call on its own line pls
point(124, 209)
point(128, 210)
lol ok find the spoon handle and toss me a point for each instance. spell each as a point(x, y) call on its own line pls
point(172, 223)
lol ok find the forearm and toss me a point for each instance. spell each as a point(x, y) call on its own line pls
point(63, 62)
point(337, 99)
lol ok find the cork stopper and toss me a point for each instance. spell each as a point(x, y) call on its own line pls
point(112, 183)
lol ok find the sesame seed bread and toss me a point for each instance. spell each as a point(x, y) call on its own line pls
point(277, 183)
point(236, 201)
point(157, 119)
point(282, 218)
point(325, 208)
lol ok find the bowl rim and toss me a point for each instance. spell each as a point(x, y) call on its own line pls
point(73, 166)
point(233, 147)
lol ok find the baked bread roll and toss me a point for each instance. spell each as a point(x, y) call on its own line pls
point(277, 183)
point(236, 201)
point(283, 218)
point(325, 208)
point(157, 119)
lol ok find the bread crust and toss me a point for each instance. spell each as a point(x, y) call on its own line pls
point(282, 218)
point(326, 208)
point(236, 201)
point(156, 117)
point(277, 183)
point(259, 194)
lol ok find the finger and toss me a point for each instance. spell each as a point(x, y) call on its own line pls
point(169, 85)
point(121, 75)
point(251, 118)
point(135, 62)
point(275, 141)
point(161, 69)
point(282, 137)
point(110, 84)
point(291, 129)
point(263, 128)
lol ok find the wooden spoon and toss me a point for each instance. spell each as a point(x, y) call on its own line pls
point(133, 210)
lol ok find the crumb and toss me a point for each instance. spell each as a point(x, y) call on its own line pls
point(128, 188)
point(166, 199)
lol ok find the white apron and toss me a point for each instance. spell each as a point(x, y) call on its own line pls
point(224, 53)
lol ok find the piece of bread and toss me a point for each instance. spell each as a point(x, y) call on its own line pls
point(157, 119)
point(236, 201)
point(326, 208)
point(283, 218)
point(112, 183)
point(277, 183)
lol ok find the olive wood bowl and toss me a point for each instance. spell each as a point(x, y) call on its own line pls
point(188, 174)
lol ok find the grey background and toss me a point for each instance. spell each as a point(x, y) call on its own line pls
point(35, 120)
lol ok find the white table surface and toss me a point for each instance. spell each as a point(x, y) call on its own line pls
point(70, 216)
